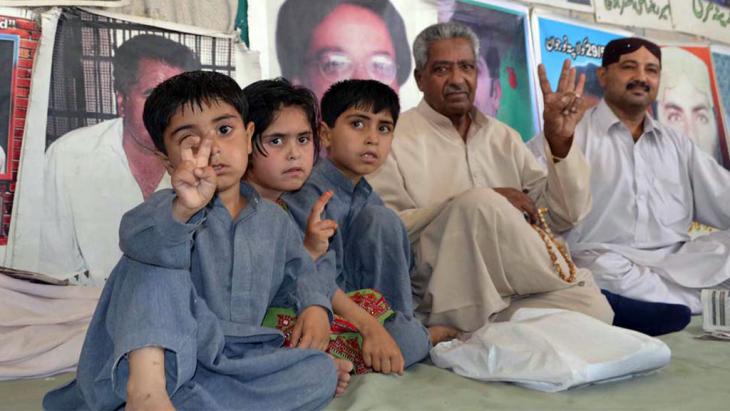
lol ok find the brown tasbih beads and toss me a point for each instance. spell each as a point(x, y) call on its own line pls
point(543, 230)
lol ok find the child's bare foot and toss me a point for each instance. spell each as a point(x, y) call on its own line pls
point(149, 401)
point(344, 368)
point(439, 333)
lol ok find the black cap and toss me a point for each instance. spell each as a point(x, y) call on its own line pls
point(618, 47)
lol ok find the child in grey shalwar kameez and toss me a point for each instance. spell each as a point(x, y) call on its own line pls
point(370, 244)
point(204, 304)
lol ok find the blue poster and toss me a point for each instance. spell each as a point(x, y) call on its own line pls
point(557, 40)
point(721, 62)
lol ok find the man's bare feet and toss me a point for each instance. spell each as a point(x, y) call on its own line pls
point(440, 333)
point(344, 367)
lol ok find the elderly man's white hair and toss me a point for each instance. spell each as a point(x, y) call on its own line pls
point(441, 31)
point(679, 65)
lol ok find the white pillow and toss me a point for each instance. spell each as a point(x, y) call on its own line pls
point(552, 350)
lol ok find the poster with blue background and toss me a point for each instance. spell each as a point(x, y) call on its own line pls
point(557, 39)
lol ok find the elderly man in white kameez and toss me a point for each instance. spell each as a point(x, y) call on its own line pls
point(468, 189)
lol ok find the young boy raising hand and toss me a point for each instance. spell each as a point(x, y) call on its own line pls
point(178, 322)
point(370, 243)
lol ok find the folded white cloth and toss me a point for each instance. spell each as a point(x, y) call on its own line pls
point(42, 327)
point(552, 350)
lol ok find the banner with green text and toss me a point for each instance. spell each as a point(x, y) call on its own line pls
point(655, 14)
point(708, 18)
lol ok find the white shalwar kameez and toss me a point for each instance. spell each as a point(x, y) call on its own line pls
point(646, 194)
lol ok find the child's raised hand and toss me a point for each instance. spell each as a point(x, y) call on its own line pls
point(312, 329)
point(380, 351)
point(194, 180)
point(316, 239)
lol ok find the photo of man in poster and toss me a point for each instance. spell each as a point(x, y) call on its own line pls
point(336, 40)
point(685, 101)
point(94, 174)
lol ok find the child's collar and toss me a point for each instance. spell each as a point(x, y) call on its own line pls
point(339, 180)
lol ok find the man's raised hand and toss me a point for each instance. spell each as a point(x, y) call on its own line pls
point(563, 108)
point(194, 180)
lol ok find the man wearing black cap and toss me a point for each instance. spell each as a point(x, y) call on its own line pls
point(649, 183)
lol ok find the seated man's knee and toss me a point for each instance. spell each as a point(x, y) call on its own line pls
point(595, 303)
point(485, 201)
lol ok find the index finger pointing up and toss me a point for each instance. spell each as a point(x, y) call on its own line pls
point(318, 208)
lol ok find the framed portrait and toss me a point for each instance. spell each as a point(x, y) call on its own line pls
point(505, 82)
point(316, 43)
point(86, 145)
point(688, 99)
point(82, 75)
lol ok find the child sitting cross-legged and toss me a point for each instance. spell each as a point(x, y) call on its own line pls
point(344, 219)
point(179, 321)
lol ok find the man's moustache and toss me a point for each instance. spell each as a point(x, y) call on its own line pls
point(632, 85)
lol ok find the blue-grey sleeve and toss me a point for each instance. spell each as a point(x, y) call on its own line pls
point(150, 234)
point(300, 204)
point(311, 287)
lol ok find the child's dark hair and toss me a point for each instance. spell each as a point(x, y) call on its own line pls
point(193, 87)
point(267, 97)
point(369, 95)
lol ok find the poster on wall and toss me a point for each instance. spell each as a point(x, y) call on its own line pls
point(721, 64)
point(578, 5)
point(316, 43)
point(19, 35)
point(655, 14)
point(557, 39)
point(505, 83)
point(708, 18)
point(99, 161)
point(688, 98)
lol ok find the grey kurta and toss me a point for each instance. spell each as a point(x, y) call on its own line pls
point(473, 249)
point(204, 306)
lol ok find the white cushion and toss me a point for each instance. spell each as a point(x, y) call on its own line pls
point(552, 350)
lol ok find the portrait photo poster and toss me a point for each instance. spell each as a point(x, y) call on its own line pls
point(505, 87)
point(689, 98)
point(73, 90)
point(315, 43)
